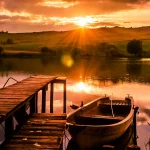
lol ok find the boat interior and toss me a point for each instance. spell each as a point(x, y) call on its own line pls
point(103, 112)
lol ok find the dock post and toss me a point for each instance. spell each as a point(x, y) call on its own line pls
point(44, 100)
point(134, 126)
point(51, 96)
point(64, 98)
point(36, 102)
point(9, 126)
point(33, 104)
point(21, 115)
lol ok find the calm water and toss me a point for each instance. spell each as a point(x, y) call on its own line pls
point(89, 78)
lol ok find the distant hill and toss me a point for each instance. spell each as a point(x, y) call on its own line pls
point(85, 39)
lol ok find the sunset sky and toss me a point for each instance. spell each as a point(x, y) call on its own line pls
point(61, 15)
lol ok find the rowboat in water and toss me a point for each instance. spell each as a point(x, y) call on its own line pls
point(100, 122)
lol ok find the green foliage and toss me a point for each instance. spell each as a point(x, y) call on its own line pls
point(135, 47)
point(76, 52)
point(112, 51)
point(103, 46)
point(46, 50)
point(109, 49)
point(9, 41)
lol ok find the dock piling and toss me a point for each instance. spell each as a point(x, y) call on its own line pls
point(44, 99)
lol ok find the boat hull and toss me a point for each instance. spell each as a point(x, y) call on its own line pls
point(89, 136)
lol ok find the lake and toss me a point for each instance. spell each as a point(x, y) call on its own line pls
point(87, 79)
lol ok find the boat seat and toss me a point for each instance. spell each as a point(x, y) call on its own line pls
point(118, 109)
point(97, 119)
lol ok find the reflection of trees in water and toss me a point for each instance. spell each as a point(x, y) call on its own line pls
point(1, 62)
point(48, 60)
point(134, 69)
point(5, 68)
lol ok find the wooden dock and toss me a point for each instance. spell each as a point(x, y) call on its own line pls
point(34, 130)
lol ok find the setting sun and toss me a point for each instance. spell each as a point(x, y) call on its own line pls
point(84, 21)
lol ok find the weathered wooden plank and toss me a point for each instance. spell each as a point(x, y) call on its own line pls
point(33, 121)
point(60, 80)
point(40, 132)
point(23, 137)
point(7, 109)
point(44, 127)
point(10, 101)
point(17, 92)
point(31, 146)
point(13, 96)
point(5, 106)
point(41, 141)
point(61, 116)
point(44, 77)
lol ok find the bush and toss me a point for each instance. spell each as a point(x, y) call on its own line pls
point(76, 52)
point(9, 41)
point(111, 51)
point(46, 50)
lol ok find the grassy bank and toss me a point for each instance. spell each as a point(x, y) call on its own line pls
point(85, 40)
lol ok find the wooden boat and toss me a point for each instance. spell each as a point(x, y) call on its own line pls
point(100, 122)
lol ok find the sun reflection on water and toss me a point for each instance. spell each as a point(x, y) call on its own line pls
point(83, 87)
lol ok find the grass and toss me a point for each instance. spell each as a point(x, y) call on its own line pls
point(84, 39)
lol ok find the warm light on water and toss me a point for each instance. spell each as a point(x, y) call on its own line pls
point(121, 78)
point(80, 87)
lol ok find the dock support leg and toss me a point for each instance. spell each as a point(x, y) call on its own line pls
point(9, 126)
point(44, 100)
point(51, 97)
point(36, 102)
point(33, 104)
point(21, 115)
point(134, 126)
point(64, 98)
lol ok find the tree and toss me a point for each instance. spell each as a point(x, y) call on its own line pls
point(135, 47)
point(112, 51)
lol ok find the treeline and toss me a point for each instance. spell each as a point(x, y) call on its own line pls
point(134, 47)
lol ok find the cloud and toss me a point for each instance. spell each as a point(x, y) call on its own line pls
point(50, 13)
point(74, 8)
